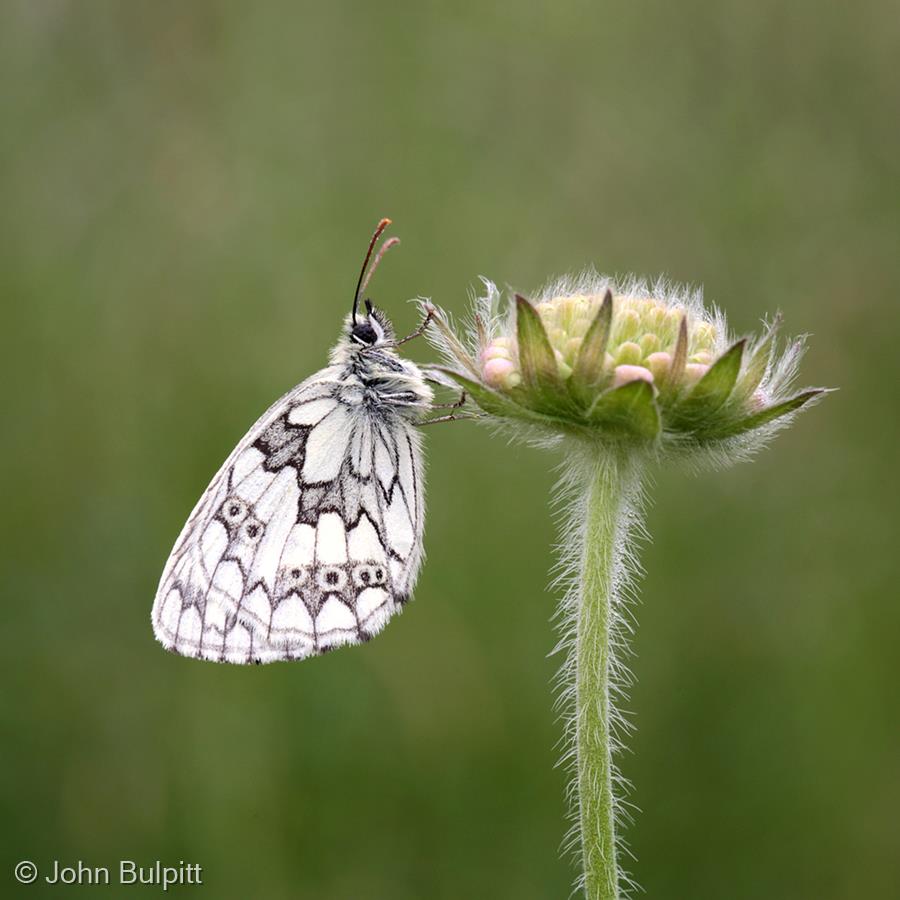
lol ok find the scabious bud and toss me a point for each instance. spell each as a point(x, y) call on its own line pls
point(624, 364)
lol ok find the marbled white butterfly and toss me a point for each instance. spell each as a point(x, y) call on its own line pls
point(310, 535)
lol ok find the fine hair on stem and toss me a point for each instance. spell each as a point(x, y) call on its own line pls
point(599, 503)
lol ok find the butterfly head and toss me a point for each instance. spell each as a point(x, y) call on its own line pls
point(371, 330)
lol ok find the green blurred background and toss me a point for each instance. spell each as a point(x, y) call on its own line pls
point(187, 190)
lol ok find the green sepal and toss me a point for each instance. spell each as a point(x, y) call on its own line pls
point(765, 416)
point(541, 382)
point(755, 370)
point(503, 407)
point(679, 357)
point(715, 387)
point(669, 385)
point(587, 371)
point(492, 402)
point(630, 408)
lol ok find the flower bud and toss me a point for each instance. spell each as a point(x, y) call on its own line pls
point(496, 351)
point(497, 372)
point(649, 344)
point(639, 366)
point(659, 364)
point(693, 372)
point(564, 369)
point(629, 354)
point(624, 374)
point(629, 324)
point(704, 334)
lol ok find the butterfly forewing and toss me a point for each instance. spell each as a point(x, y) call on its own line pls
point(309, 536)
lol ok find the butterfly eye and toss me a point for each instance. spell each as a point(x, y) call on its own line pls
point(364, 333)
point(234, 511)
point(331, 578)
point(252, 530)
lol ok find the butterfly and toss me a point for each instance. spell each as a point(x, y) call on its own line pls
point(310, 535)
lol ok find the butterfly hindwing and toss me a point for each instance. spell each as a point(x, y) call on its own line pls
point(309, 536)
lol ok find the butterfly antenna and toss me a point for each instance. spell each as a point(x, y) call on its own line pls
point(390, 242)
point(359, 284)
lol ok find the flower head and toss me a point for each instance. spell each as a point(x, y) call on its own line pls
point(624, 364)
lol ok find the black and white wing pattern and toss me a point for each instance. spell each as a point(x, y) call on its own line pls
point(309, 536)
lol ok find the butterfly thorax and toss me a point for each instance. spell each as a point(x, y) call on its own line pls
point(388, 382)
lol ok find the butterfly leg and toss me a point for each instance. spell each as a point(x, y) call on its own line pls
point(451, 418)
point(420, 329)
point(455, 405)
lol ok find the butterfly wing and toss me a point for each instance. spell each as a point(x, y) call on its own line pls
point(309, 536)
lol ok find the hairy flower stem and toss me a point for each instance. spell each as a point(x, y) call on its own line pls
point(611, 484)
